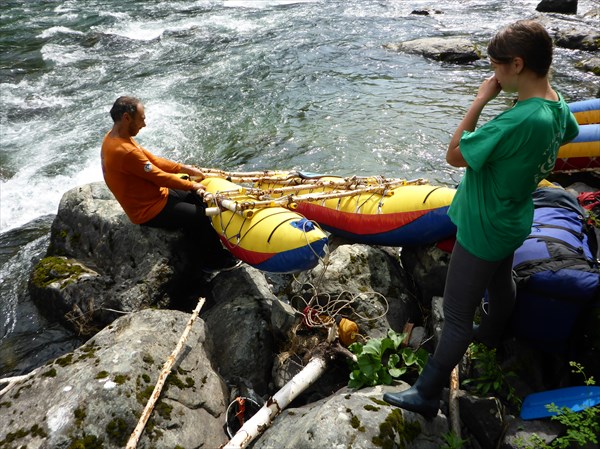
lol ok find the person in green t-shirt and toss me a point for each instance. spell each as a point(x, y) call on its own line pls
point(505, 159)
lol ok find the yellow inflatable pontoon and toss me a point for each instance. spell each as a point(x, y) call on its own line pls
point(379, 212)
point(270, 238)
point(583, 152)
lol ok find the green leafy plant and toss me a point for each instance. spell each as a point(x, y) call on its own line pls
point(492, 379)
point(380, 360)
point(452, 441)
point(593, 219)
point(581, 427)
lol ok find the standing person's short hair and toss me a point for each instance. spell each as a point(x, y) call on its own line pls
point(122, 105)
point(526, 39)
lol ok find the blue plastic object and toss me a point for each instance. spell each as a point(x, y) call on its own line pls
point(575, 398)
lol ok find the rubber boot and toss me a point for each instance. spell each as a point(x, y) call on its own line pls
point(424, 396)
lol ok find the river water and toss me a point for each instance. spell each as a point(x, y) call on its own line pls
point(238, 85)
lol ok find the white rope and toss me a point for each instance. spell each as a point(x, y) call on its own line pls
point(342, 304)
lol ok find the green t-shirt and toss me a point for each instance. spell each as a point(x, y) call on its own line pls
point(507, 158)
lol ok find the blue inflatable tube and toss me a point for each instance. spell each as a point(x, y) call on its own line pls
point(586, 111)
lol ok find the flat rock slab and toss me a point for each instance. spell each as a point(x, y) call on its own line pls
point(452, 49)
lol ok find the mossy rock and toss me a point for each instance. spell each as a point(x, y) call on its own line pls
point(59, 270)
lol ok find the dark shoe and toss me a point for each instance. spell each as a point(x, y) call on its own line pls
point(425, 395)
point(225, 262)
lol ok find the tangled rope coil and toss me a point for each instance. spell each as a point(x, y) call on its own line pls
point(339, 314)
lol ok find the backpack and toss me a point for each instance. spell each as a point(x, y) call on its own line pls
point(556, 258)
point(555, 268)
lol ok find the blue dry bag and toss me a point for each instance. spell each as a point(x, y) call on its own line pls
point(555, 269)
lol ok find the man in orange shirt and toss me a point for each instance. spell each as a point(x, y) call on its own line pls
point(149, 190)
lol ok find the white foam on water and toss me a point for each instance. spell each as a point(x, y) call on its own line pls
point(117, 15)
point(27, 95)
point(64, 8)
point(164, 136)
point(235, 24)
point(149, 30)
point(10, 289)
point(53, 31)
point(24, 198)
point(67, 11)
point(262, 3)
point(51, 156)
point(140, 31)
point(63, 54)
point(27, 196)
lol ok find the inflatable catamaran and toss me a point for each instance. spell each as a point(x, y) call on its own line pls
point(583, 152)
point(275, 220)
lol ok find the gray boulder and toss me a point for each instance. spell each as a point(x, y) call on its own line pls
point(593, 13)
point(99, 264)
point(356, 419)
point(591, 64)
point(487, 419)
point(366, 284)
point(456, 50)
point(560, 6)
point(94, 396)
point(240, 320)
point(427, 265)
point(578, 39)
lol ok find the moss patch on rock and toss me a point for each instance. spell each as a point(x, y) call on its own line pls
point(394, 425)
point(54, 269)
point(13, 437)
point(87, 442)
point(118, 431)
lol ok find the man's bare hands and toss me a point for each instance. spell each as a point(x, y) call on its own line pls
point(194, 172)
point(199, 189)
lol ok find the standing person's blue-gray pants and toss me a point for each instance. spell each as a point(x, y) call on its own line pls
point(467, 280)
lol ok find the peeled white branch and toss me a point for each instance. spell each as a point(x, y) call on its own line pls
point(166, 370)
point(453, 402)
point(273, 407)
point(12, 381)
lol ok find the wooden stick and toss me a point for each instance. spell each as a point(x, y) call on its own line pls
point(166, 370)
point(273, 407)
point(289, 201)
point(364, 180)
point(228, 199)
point(291, 177)
point(12, 381)
point(243, 208)
point(215, 172)
point(333, 194)
point(408, 328)
point(453, 403)
point(341, 185)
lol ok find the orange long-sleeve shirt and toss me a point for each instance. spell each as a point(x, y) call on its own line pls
point(139, 180)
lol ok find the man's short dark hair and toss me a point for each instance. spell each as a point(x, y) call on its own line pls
point(122, 105)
